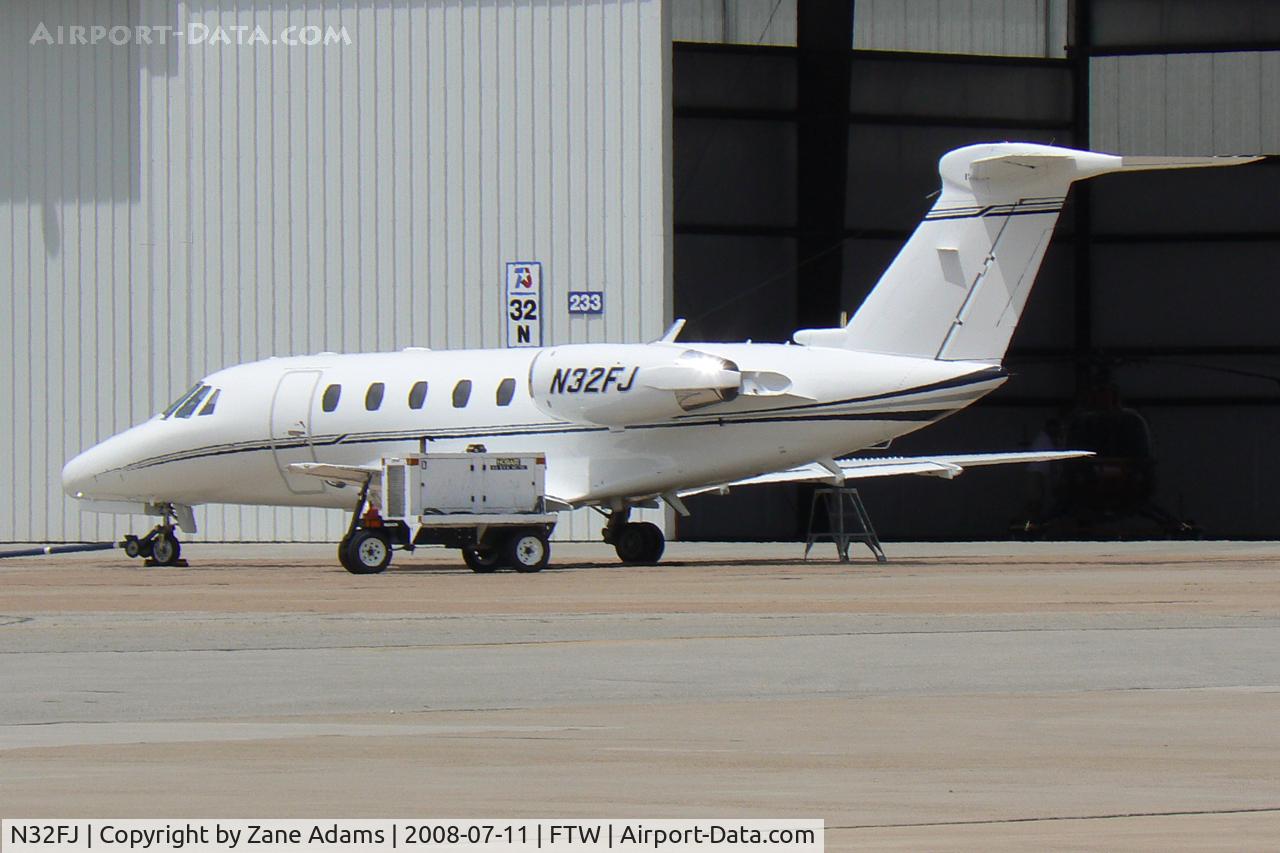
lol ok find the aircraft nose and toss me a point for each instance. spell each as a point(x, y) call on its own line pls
point(80, 474)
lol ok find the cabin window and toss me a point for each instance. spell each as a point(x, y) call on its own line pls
point(210, 403)
point(188, 407)
point(329, 401)
point(506, 390)
point(461, 393)
point(373, 397)
point(173, 407)
point(417, 395)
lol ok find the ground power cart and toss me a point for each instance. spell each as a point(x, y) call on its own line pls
point(491, 506)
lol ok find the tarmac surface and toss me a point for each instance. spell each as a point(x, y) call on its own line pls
point(993, 696)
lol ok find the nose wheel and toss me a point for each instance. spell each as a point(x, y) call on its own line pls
point(160, 547)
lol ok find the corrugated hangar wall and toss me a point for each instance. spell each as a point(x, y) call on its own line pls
point(167, 210)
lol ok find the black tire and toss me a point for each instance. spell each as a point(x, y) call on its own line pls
point(368, 553)
point(132, 548)
point(166, 550)
point(527, 551)
point(631, 543)
point(482, 561)
point(655, 542)
point(343, 559)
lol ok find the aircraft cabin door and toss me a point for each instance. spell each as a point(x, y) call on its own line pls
point(291, 428)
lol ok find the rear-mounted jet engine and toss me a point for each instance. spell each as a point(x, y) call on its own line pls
point(616, 385)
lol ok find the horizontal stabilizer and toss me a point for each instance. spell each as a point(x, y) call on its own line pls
point(946, 466)
point(958, 287)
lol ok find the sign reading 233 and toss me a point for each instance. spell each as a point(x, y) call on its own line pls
point(586, 302)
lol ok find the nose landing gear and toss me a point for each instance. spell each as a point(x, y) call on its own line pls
point(159, 547)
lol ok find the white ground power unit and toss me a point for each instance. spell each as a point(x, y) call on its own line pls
point(491, 506)
point(453, 483)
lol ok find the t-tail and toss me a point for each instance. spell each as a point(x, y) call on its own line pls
point(957, 288)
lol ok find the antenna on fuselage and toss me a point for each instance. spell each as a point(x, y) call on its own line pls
point(669, 337)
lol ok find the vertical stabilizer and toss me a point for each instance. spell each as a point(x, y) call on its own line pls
point(957, 288)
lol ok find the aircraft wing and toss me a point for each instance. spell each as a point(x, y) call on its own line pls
point(942, 465)
point(358, 474)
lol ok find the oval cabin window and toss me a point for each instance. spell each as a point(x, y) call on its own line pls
point(461, 393)
point(329, 401)
point(373, 397)
point(418, 395)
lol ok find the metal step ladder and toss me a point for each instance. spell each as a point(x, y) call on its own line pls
point(847, 521)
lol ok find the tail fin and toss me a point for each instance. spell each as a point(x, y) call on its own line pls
point(956, 290)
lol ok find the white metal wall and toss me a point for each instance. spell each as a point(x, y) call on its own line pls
point(169, 210)
point(1199, 103)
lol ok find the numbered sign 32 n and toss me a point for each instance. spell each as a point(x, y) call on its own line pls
point(523, 292)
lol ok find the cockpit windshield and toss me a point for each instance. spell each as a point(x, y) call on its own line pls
point(176, 404)
point(186, 405)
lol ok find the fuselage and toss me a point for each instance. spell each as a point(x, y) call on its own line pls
point(815, 402)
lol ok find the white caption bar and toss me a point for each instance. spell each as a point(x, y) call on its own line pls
point(374, 836)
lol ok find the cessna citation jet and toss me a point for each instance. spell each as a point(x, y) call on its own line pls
point(625, 425)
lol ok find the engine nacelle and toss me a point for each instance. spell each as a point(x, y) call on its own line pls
point(623, 384)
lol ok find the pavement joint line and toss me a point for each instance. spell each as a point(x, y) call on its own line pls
point(1048, 818)
point(647, 640)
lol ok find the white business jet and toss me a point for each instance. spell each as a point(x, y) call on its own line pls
point(625, 425)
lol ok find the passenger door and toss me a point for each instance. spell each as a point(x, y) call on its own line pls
point(291, 429)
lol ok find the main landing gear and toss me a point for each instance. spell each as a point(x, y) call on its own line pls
point(159, 547)
point(637, 543)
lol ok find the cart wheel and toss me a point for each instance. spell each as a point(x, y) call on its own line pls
point(367, 553)
point(344, 554)
point(482, 560)
point(528, 551)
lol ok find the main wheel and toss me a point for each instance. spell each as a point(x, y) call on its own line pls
point(367, 553)
point(528, 551)
point(165, 549)
point(639, 542)
point(655, 542)
point(482, 560)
